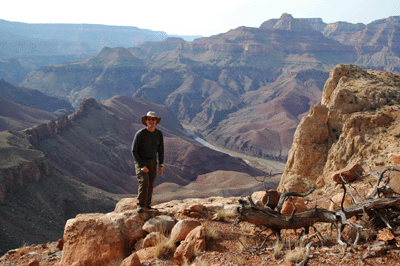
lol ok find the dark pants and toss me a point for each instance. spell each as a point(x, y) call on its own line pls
point(146, 182)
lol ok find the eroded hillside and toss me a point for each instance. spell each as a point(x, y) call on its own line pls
point(245, 89)
point(83, 163)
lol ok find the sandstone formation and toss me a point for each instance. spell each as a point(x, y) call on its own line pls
point(356, 123)
point(103, 239)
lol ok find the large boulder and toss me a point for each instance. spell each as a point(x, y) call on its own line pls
point(101, 239)
point(182, 229)
point(195, 241)
point(162, 224)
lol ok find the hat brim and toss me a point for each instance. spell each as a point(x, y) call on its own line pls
point(144, 118)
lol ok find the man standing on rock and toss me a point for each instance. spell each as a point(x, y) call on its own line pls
point(147, 144)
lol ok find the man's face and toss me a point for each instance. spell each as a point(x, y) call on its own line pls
point(151, 122)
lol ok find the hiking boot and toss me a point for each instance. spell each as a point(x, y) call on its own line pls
point(140, 209)
point(151, 208)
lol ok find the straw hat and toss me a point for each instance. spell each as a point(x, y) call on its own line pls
point(150, 114)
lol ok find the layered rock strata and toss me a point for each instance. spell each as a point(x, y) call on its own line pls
point(356, 123)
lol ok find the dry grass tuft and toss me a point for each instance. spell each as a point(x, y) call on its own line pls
point(278, 246)
point(296, 255)
point(22, 250)
point(212, 234)
point(164, 250)
point(221, 215)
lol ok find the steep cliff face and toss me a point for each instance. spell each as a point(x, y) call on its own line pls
point(357, 122)
point(20, 164)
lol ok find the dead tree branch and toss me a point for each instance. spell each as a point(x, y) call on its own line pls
point(273, 219)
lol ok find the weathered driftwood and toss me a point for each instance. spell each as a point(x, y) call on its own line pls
point(276, 221)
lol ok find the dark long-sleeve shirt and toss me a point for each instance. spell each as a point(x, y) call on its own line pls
point(146, 145)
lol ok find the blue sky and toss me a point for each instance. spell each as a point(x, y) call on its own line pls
point(185, 17)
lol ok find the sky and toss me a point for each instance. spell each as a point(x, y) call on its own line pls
point(199, 18)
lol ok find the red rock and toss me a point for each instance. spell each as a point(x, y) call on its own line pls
point(194, 241)
point(287, 207)
point(348, 173)
point(101, 239)
point(60, 244)
point(274, 197)
point(132, 260)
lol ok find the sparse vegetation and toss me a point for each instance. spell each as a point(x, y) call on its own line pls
point(244, 243)
point(277, 248)
point(296, 255)
point(211, 234)
point(164, 250)
point(221, 215)
point(238, 260)
point(22, 250)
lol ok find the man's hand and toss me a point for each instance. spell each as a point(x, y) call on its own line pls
point(160, 170)
point(145, 169)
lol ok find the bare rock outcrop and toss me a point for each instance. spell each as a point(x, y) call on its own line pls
point(53, 127)
point(356, 123)
point(309, 151)
point(100, 239)
point(20, 165)
point(123, 235)
point(182, 229)
point(195, 241)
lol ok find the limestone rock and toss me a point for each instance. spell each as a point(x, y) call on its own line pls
point(349, 173)
point(196, 208)
point(128, 204)
point(146, 253)
point(182, 229)
point(355, 124)
point(194, 241)
point(101, 239)
point(162, 223)
point(287, 206)
point(309, 151)
point(132, 260)
point(153, 239)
